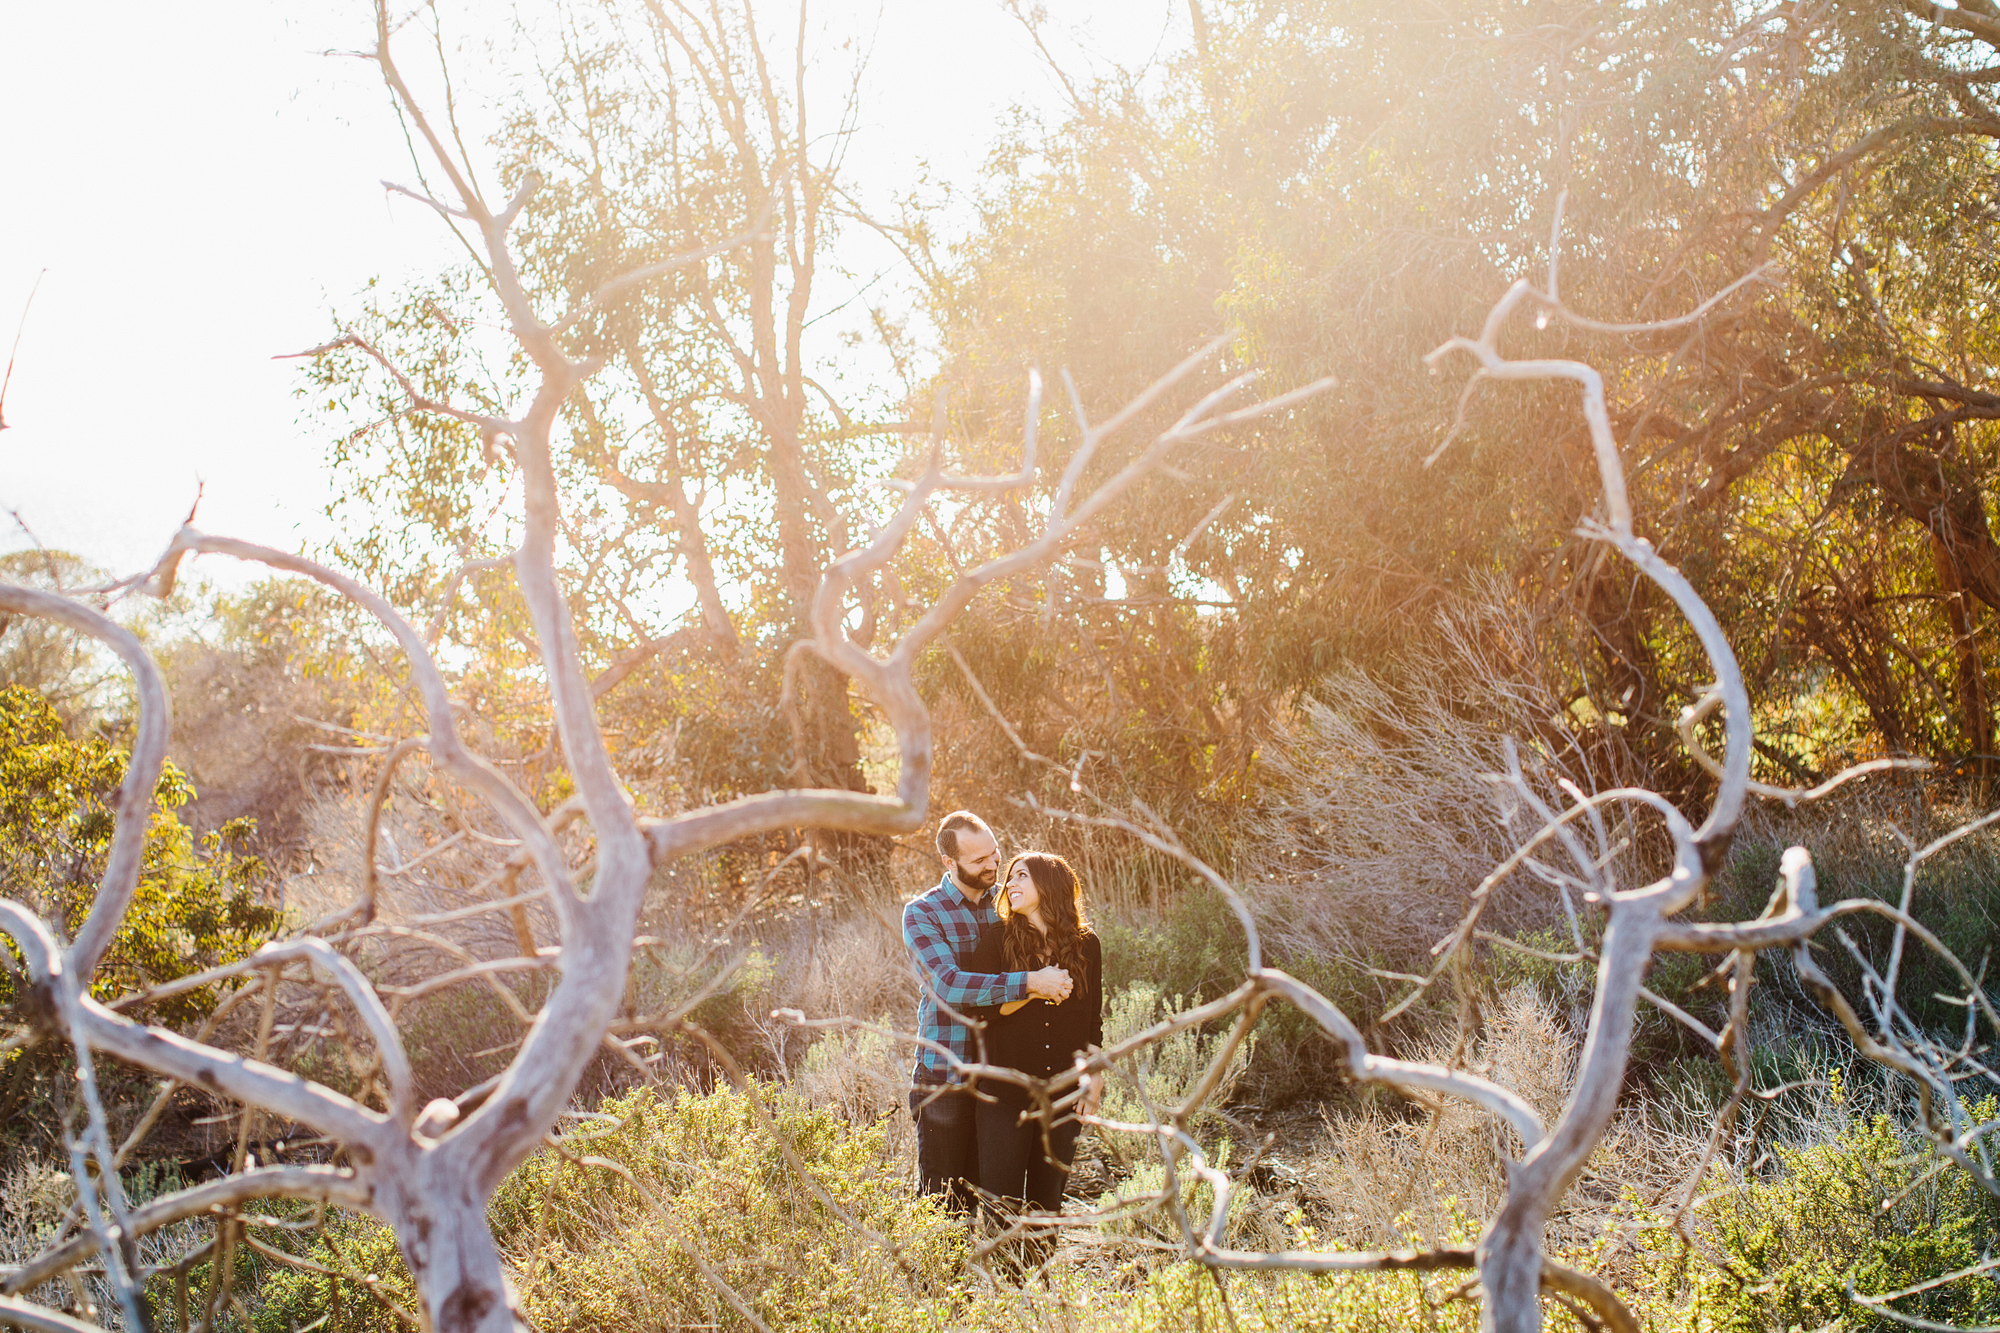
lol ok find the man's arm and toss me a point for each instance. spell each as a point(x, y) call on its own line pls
point(984, 958)
point(941, 973)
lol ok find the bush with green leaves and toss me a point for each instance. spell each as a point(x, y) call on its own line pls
point(1186, 1298)
point(1165, 1073)
point(197, 904)
point(1866, 1206)
point(591, 1251)
point(1193, 946)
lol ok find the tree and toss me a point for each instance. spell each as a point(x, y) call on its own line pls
point(429, 1170)
point(1338, 182)
point(707, 447)
point(62, 669)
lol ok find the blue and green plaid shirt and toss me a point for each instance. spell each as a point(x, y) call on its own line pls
point(937, 927)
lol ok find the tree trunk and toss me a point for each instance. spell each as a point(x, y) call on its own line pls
point(440, 1222)
point(1849, 636)
point(1975, 713)
point(1928, 489)
point(832, 756)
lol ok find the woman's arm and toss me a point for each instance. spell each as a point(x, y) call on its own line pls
point(1093, 962)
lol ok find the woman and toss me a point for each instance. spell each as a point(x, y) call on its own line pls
point(1041, 925)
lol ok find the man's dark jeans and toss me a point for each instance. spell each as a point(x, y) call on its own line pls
point(947, 1141)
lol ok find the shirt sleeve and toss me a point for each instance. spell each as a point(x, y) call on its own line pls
point(984, 959)
point(940, 973)
point(1093, 959)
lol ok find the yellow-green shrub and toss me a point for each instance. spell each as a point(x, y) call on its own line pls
point(589, 1252)
point(196, 905)
point(1864, 1207)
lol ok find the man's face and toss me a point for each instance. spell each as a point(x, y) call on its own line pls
point(977, 864)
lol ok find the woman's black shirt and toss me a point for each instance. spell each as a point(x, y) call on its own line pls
point(1039, 1038)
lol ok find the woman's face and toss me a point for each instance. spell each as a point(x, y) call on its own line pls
point(1022, 896)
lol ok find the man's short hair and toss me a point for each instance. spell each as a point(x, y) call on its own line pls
point(952, 825)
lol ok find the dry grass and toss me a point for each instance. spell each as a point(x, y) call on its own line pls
point(859, 969)
point(1384, 811)
point(866, 1077)
point(432, 856)
point(36, 1198)
point(1383, 1178)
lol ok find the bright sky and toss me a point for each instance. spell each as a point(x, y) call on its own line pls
point(200, 185)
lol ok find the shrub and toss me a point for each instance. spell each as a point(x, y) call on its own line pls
point(1193, 948)
point(196, 906)
point(1187, 1299)
point(863, 1074)
point(1169, 1069)
point(728, 1189)
point(366, 1278)
point(590, 1253)
point(1864, 1206)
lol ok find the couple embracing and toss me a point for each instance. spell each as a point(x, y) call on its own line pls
point(1014, 954)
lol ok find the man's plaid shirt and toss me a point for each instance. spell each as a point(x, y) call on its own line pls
point(937, 928)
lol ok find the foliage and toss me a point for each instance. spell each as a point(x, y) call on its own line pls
point(735, 1009)
point(256, 679)
point(1167, 1071)
point(1190, 945)
point(197, 904)
point(1188, 1299)
point(362, 1291)
point(609, 1261)
point(35, 1208)
point(1343, 186)
point(591, 1253)
point(1851, 1198)
point(68, 670)
point(1339, 187)
point(1866, 1207)
point(706, 456)
point(457, 1037)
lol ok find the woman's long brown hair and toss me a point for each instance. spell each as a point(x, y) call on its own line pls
point(1026, 948)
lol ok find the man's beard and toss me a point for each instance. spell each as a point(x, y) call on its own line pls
point(978, 883)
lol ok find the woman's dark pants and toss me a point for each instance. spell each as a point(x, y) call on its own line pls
point(1015, 1162)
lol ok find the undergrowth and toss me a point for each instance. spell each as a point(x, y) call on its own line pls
point(1776, 1247)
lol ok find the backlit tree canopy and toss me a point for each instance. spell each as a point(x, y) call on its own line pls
point(1339, 187)
point(1345, 184)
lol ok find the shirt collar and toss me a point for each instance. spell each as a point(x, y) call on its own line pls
point(948, 885)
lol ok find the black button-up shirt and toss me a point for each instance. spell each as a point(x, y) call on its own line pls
point(1040, 1038)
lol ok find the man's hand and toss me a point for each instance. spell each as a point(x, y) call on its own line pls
point(1049, 983)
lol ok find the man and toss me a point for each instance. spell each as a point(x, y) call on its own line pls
point(938, 926)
